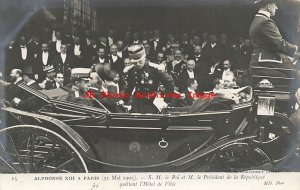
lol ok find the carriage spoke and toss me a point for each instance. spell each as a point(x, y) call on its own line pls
point(17, 153)
point(62, 165)
point(32, 151)
point(10, 166)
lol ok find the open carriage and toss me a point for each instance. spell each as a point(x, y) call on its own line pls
point(62, 136)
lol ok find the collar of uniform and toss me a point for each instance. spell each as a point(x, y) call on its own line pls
point(265, 13)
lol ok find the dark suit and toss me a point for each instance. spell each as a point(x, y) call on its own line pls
point(51, 85)
point(24, 64)
point(187, 47)
point(28, 102)
point(246, 52)
point(225, 50)
point(174, 71)
point(35, 48)
point(13, 91)
point(117, 65)
point(189, 100)
point(78, 60)
point(212, 76)
point(90, 53)
point(202, 69)
point(182, 79)
point(159, 46)
point(64, 68)
point(96, 60)
point(39, 66)
point(212, 53)
point(270, 50)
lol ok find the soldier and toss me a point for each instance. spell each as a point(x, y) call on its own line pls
point(145, 79)
point(79, 92)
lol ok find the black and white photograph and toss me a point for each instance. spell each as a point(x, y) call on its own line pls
point(137, 86)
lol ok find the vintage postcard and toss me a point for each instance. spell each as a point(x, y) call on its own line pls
point(111, 94)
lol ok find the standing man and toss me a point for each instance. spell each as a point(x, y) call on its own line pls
point(43, 61)
point(270, 50)
point(23, 55)
point(145, 79)
point(185, 75)
point(115, 61)
point(270, 59)
point(62, 63)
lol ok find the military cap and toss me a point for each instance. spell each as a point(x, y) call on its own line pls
point(136, 52)
point(262, 3)
point(80, 74)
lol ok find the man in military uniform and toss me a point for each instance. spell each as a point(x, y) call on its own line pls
point(270, 51)
point(271, 58)
point(96, 91)
point(79, 92)
point(143, 79)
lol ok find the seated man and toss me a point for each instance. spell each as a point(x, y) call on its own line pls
point(190, 91)
point(78, 94)
point(58, 81)
point(18, 97)
point(96, 89)
point(226, 94)
point(229, 90)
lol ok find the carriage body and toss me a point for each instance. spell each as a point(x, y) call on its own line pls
point(176, 140)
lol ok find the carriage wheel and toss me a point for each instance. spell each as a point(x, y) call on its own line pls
point(33, 149)
point(239, 157)
point(279, 138)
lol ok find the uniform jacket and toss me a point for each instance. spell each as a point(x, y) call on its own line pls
point(79, 97)
point(267, 41)
point(271, 52)
point(146, 80)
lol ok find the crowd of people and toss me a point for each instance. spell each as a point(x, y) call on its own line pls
point(196, 62)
